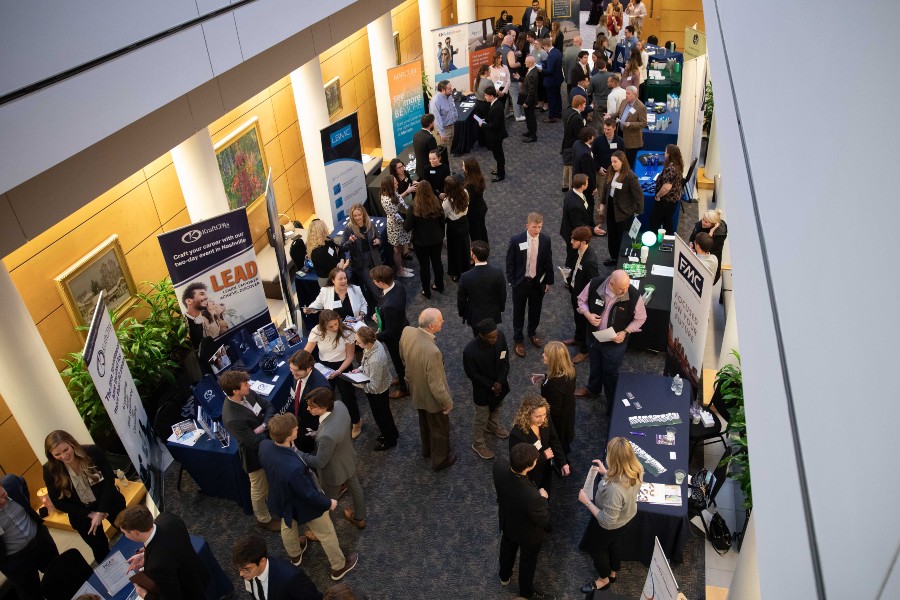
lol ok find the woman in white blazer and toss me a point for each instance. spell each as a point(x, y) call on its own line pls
point(346, 300)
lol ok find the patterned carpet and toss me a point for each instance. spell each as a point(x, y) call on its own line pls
point(434, 535)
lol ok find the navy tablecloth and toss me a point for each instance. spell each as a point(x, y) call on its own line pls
point(669, 523)
point(219, 583)
point(645, 174)
point(658, 139)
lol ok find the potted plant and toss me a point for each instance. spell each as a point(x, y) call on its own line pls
point(426, 91)
point(708, 106)
point(729, 381)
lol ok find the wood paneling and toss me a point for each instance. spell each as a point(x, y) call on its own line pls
point(4, 410)
point(14, 448)
point(291, 148)
point(166, 193)
point(284, 107)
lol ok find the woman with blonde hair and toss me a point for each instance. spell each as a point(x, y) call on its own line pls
point(711, 222)
point(534, 426)
point(81, 483)
point(364, 245)
point(558, 389)
point(613, 507)
point(323, 252)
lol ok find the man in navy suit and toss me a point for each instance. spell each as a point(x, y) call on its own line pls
point(530, 16)
point(553, 78)
point(277, 578)
point(306, 379)
point(529, 270)
point(391, 317)
point(482, 289)
point(25, 544)
point(495, 132)
point(583, 162)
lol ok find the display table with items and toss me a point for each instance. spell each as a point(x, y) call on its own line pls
point(660, 431)
point(663, 116)
point(216, 469)
point(646, 174)
point(465, 134)
point(219, 583)
point(653, 279)
point(663, 74)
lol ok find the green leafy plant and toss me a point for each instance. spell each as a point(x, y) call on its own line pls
point(153, 348)
point(730, 383)
point(708, 108)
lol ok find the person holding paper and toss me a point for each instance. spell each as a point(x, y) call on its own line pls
point(245, 417)
point(534, 426)
point(341, 297)
point(613, 507)
point(374, 365)
point(624, 200)
point(529, 270)
point(26, 546)
point(613, 308)
point(306, 379)
point(583, 267)
point(336, 344)
point(486, 363)
point(81, 483)
point(632, 119)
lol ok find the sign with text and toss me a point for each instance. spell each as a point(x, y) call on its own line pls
point(214, 272)
point(407, 108)
point(451, 50)
point(344, 171)
point(691, 294)
point(694, 43)
point(660, 583)
point(106, 364)
point(481, 47)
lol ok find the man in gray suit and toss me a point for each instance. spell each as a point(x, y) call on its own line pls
point(334, 457)
point(428, 387)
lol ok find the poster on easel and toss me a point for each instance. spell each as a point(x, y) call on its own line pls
point(481, 47)
point(344, 172)
point(450, 47)
point(660, 583)
point(405, 90)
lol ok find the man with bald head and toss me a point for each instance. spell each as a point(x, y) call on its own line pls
point(428, 387)
point(529, 95)
point(632, 119)
point(606, 303)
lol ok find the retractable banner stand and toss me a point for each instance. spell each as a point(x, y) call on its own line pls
point(568, 14)
point(213, 268)
point(277, 240)
point(481, 47)
point(660, 583)
point(405, 89)
point(691, 296)
point(693, 98)
point(112, 378)
point(343, 166)
point(450, 46)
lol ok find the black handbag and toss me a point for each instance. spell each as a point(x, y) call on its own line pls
point(699, 491)
point(718, 534)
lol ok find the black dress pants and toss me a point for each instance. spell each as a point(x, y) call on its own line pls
point(346, 390)
point(393, 348)
point(604, 546)
point(499, 157)
point(22, 567)
point(662, 215)
point(98, 541)
point(381, 412)
point(531, 293)
point(530, 122)
point(430, 254)
point(527, 564)
point(581, 324)
point(631, 155)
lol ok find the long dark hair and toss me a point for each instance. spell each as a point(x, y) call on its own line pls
point(675, 159)
point(61, 479)
point(456, 194)
point(326, 317)
point(388, 185)
point(474, 176)
point(392, 168)
point(426, 205)
point(623, 172)
point(483, 71)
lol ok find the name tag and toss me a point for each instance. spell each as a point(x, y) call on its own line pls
point(613, 146)
point(434, 172)
point(578, 268)
point(631, 111)
point(598, 302)
point(337, 304)
point(537, 444)
point(523, 246)
point(617, 185)
point(541, 280)
point(331, 251)
point(256, 408)
point(502, 354)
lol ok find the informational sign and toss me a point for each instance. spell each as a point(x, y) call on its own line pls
point(343, 166)
point(691, 295)
point(450, 47)
point(213, 269)
point(106, 364)
point(694, 43)
point(481, 47)
point(660, 583)
point(407, 108)
point(280, 255)
point(568, 14)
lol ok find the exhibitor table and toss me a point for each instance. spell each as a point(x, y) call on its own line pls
point(646, 176)
point(653, 334)
point(465, 134)
point(658, 139)
point(669, 523)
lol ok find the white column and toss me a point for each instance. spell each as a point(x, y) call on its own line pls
point(384, 57)
point(310, 101)
point(745, 582)
point(465, 11)
point(198, 174)
point(29, 381)
point(730, 334)
point(429, 18)
point(712, 168)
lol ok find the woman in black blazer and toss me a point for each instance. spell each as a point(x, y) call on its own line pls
point(558, 389)
point(426, 222)
point(533, 424)
point(474, 182)
point(624, 199)
point(81, 484)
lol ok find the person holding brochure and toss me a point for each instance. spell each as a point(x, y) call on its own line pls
point(335, 342)
point(343, 298)
point(81, 484)
point(374, 365)
point(613, 309)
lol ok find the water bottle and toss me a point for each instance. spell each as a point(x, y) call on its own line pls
point(677, 385)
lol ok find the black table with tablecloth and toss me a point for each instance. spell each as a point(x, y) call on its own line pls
point(219, 583)
point(465, 133)
point(669, 523)
point(654, 332)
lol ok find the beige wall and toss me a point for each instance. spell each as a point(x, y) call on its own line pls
point(15, 453)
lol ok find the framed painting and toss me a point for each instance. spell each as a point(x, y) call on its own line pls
point(242, 164)
point(333, 96)
point(397, 47)
point(102, 269)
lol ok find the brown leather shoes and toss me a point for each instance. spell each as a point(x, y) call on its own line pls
point(536, 341)
point(360, 523)
point(397, 394)
point(520, 349)
point(451, 460)
point(580, 357)
point(273, 525)
point(583, 392)
point(571, 342)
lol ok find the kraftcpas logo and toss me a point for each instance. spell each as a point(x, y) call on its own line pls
point(193, 236)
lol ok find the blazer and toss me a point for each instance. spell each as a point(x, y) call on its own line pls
point(553, 68)
point(327, 297)
point(481, 294)
point(334, 457)
point(240, 422)
point(425, 373)
point(516, 257)
point(548, 439)
point(526, 18)
point(423, 143)
point(364, 254)
point(587, 270)
point(633, 135)
point(573, 123)
point(495, 126)
point(583, 162)
point(294, 493)
point(626, 202)
point(17, 488)
point(579, 91)
point(578, 71)
point(570, 60)
point(603, 149)
point(524, 513)
point(425, 232)
point(109, 499)
point(485, 365)
point(287, 582)
point(304, 419)
point(393, 314)
point(170, 561)
point(574, 214)
point(530, 88)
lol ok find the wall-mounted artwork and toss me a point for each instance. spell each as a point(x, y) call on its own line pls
point(333, 96)
point(242, 164)
point(102, 269)
point(397, 47)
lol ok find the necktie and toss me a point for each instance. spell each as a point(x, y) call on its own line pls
point(532, 257)
point(260, 594)
point(575, 270)
point(297, 398)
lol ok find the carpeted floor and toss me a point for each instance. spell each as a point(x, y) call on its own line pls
point(435, 535)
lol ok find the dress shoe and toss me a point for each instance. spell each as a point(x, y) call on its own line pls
point(583, 392)
point(426, 294)
point(349, 563)
point(520, 349)
point(273, 525)
point(571, 342)
point(530, 140)
point(580, 357)
point(360, 523)
point(610, 262)
point(498, 178)
point(590, 587)
point(297, 560)
point(397, 394)
point(551, 120)
point(483, 451)
point(395, 381)
point(451, 460)
point(536, 341)
point(356, 430)
point(383, 445)
point(341, 491)
point(500, 432)
point(493, 172)
point(565, 189)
